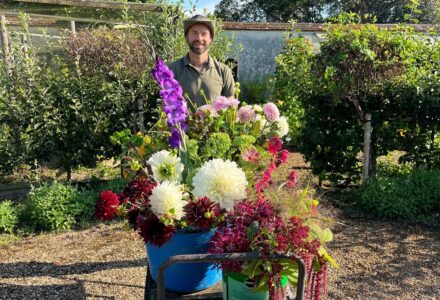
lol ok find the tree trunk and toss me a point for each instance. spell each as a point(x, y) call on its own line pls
point(367, 146)
point(69, 173)
point(5, 43)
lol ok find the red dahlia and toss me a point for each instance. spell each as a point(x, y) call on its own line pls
point(202, 213)
point(106, 205)
point(153, 231)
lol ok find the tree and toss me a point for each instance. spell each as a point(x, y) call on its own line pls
point(386, 11)
point(271, 11)
point(363, 76)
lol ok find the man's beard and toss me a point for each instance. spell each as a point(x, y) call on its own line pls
point(198, 50)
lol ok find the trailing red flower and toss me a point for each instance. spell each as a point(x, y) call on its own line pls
point(283, 156)
point(106, 206)
point(258, 228)
point(292, 179)
point(202, 213)
point(153, 231)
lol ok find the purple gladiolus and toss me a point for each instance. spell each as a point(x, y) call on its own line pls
point(174, 104)
point(174, 139)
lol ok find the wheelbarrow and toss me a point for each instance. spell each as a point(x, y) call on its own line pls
point(156, 291)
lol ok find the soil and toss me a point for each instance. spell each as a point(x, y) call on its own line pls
point(378, 260)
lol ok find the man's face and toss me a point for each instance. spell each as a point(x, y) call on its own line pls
point(199, 38)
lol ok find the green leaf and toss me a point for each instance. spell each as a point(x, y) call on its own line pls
point(252, 230)
point(262, 285)
point(252, 270)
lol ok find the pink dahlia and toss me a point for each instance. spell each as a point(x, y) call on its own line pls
point(271, 112)
point(246, 114)
point(222, 103)
point(206, 110)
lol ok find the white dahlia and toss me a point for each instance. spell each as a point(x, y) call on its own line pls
point(283, 126)
point(167, 196)
point(165, 166)
point(221, 181)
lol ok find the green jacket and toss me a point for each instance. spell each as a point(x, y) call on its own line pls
point(215, 80)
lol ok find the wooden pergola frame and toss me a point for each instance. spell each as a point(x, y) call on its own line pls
point(100, 4)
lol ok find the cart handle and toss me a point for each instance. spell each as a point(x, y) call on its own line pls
point(228, 257)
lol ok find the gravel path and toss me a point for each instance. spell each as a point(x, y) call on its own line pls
point(379, 260)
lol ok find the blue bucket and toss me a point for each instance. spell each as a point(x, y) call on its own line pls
point(185, 277)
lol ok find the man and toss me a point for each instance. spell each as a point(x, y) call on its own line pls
point(197, 72)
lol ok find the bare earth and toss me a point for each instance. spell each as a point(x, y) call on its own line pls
point(379, 260)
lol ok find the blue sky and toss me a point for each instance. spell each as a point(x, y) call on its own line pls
point(201, 5)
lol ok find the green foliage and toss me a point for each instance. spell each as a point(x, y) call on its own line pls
point(385, 11)
point(270, 11)
point(53, 207)
point(243, 141)
point(8, 216)
point(388, 11)
point(293, 81)
point(391, 74)
point(257, 91)
point(413, 196)
point(216, 146)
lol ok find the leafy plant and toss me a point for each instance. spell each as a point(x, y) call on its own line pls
point(53, 207)
point(8, 216)
point(413, 196)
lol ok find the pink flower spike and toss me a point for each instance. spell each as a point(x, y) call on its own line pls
point(274, 145)
point(292, 179)
point(283, 156)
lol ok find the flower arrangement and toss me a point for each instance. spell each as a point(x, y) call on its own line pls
point(256, 225)
point(213, 168)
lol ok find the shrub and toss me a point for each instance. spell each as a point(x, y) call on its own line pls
point(109, 51)
point(413, 196)
point(390, 74)
point(53, 207)
point(8, 216)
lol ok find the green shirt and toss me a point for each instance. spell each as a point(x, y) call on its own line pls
point(215, 79)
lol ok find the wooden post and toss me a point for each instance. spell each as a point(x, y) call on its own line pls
point(24, 43)
point(367, 143)
point(5, 43)
point(140, 109)
point(73, 27)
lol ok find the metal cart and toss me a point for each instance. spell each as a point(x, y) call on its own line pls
point(157, 291)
